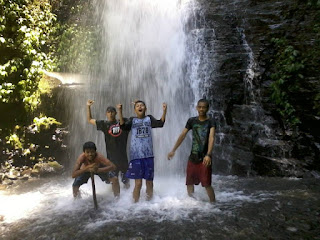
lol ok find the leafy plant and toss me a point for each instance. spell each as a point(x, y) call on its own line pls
point(25, 28)
point(15, 141)
point(286, 76)
point(44, 123)
point(76, 48)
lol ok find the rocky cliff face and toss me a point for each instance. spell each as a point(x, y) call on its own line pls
point(237, 55)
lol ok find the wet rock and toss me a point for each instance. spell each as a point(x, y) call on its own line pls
point(235, 40)
point(272, 147)
point(24, 177)
point(120, 230)
point(35, 173)
point(267, 166)
point(136, 238)
point(7, 182)
point(47, 168)
point(1, 177)
point(26, 172)
point(312, 174)
point(12, 177)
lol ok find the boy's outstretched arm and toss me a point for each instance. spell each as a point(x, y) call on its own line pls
point(89, 116)
point(178, 143)
point(119, 108)
point(164, 107)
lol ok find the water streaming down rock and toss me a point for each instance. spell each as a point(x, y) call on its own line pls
point(233, 37)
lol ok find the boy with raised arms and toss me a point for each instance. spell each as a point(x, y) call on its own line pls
point(141, 164)
point(116, 143)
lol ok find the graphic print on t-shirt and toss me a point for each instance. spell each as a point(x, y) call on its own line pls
point(115, 130)
point(143, 129)
point(200, 135)
point(141, 138)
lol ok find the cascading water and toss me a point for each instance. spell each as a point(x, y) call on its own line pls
point(251, 93)
point(143, 57)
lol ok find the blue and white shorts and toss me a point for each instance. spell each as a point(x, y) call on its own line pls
point(141, 169)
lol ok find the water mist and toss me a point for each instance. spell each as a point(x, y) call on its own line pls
point(143, 56)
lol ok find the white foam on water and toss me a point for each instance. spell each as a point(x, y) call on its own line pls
point(15, 207)
point(170, 202)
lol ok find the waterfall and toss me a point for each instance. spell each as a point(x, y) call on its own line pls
point(143, 56)
point(251, 92)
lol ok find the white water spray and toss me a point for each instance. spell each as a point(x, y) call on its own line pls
point(143, 57)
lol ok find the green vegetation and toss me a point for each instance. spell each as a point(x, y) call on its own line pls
point(76, 51)
point(24, 35)
point(286, 78)
point(38, 36)
point(76, 37)
point(295, 67)
point(26, 31)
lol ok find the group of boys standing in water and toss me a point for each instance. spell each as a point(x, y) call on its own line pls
point(141, 164)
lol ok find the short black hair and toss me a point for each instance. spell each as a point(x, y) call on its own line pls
point(89, 145)
point(139, 101)
point(203, 100)
point(111, 109)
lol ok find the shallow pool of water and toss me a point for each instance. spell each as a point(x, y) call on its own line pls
point(246, 208)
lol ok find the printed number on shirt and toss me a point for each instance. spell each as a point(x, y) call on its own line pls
point(142, 132)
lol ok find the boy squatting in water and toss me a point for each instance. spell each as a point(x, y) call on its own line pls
point(90, 161)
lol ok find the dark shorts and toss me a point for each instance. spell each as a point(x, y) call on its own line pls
point(82, 179)
point(124, 179)
point(141, 169)
point(198, 173)
point(121, 167)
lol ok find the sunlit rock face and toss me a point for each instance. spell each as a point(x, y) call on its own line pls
point(235, 51)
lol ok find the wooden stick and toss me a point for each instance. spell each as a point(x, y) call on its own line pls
point(94, 192)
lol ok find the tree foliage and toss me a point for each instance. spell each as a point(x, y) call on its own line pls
point(25, 28)
point(76, 38)
point(76, 49)
point(38, 35)
point(295, 67)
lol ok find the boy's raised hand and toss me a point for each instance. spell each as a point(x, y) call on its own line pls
point(90, 102)
point(164, 107)
point(119, 107)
